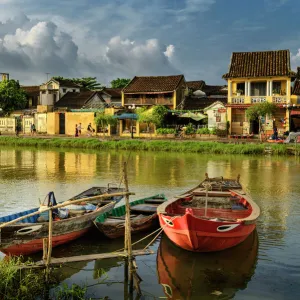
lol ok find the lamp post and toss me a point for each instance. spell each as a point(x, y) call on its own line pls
point(131, 108)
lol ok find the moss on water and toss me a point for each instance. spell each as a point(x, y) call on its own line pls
point(147, 145)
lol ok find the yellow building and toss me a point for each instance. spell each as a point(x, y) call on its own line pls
point(256, 77)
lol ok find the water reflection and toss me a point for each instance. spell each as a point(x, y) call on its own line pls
point(187, 275)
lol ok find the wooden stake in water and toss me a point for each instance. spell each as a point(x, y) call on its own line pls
point(206, 200)
point(128, 230)
point(50, 238)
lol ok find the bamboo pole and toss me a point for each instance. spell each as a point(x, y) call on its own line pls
point(65, 204)
point(128, 229)
point(50, 238)
point(45, 249)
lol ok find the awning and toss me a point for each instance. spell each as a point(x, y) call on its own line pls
point(194, 116)
point(126, 116)
point(295, 112)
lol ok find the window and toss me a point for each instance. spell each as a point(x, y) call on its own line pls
point(258, 88)
point(240, 88)
point(74, 91)
point(276, 87)
point(64, 90)
point(238, 115)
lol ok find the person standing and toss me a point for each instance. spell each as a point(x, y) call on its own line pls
point(79, 128)
point(76, 130)
point(33, 129)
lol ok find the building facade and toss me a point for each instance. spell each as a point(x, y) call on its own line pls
point(256, 77)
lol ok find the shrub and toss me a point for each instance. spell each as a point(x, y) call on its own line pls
point(165, 131)
point(203, 131)
point(190, 129)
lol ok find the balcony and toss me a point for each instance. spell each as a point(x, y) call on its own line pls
point(149, 101)
point(279, 99)
point(238, 100)
point(258, 99)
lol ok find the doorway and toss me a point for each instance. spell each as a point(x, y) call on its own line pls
point(254, 126)
point(62, 123)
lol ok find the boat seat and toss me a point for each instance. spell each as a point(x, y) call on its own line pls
point(144, 208)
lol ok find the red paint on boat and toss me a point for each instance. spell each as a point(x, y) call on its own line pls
point(37, 245)
point(195, 226)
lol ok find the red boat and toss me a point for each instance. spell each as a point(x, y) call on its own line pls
point(215, 215)
point(26, 237)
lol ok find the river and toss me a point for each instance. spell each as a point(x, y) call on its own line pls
point(265, 266)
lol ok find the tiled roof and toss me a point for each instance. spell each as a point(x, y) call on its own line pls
point(193, 103)
point(116, 93)
point(76, 100)
point(260, 64)
point(153, 84)
point(296, 88)
point(33, 90)
point(195, 85)
point(215, 90)
point(67, 83)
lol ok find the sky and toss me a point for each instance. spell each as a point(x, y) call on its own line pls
point(108, 39)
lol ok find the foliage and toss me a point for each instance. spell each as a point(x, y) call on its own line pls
point(154, 115)
point(147, 145)
point(19, 284)
point(204, 130)
point(165, 131)
point(119, 82)
point(75, 292)
point(12, 96)
point(89, 83)
point(259, 110)
point(104, 120)
point(190, 129)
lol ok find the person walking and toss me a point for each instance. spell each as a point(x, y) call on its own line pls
point(79, 128)
point(33, 129)
point(76, 130)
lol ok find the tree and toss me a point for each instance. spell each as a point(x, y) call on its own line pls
point(104, 120)
point(119, 82)
point(12, 96)
point(257, 111)
point(89, 83)
point(154, 115)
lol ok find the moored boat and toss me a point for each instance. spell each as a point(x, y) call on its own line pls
point(26, 236)
point(143, 216)
point(215, 215)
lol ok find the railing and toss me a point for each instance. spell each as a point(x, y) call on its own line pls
point(258, 99)
point(149, 101)
point(279, 99)
point(238, 100)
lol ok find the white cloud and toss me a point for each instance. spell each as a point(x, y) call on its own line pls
point(170, 51)
point(30, 48)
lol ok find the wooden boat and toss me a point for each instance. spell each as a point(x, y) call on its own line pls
point(214, 275)
point(26, 236)
point(227, 220)
point(143, 216)
point(96, 191)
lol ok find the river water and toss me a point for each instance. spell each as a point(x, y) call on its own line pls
point(265, 266)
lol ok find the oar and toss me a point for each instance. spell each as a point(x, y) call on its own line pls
point(65, 204)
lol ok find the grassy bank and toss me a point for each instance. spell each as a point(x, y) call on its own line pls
point(147, 145)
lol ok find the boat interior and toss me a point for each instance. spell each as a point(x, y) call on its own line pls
point(218, 195)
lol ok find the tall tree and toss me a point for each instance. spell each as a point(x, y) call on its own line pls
point(12, 96)
point(119, 82)
point(89, 83)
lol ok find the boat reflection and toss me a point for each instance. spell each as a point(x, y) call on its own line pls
point(219, 275)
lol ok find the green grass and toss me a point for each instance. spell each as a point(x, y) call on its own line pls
point(148, 145)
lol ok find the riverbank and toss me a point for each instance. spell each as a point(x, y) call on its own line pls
point(208, 147)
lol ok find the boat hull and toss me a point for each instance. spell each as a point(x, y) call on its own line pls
point(140, 225)
point(200, 235)
point(27, 238)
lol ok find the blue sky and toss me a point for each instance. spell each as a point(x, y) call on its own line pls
point(110, 39)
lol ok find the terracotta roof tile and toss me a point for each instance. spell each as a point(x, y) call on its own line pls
point(32, 90)
point(153, 84)
point(260, 64)
point(195, 85)
point(113, 92)
point(76, 100)
point(296, 88)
